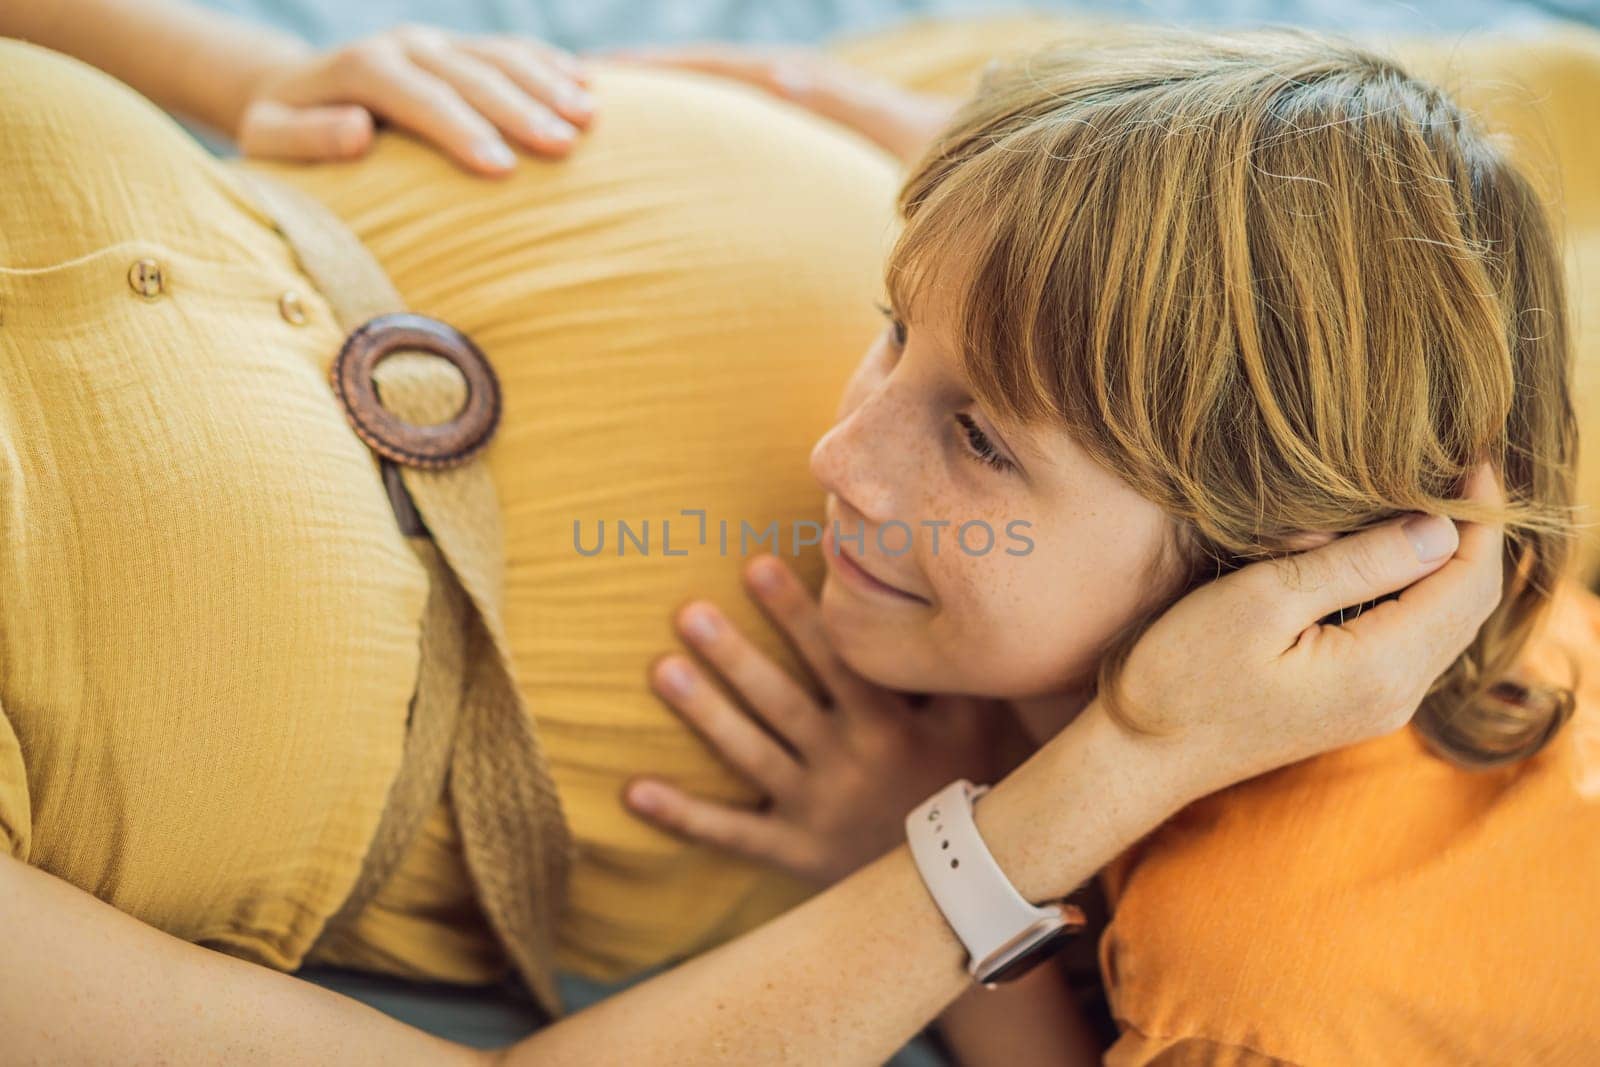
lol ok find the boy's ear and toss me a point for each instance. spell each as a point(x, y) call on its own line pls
point(1311, 539)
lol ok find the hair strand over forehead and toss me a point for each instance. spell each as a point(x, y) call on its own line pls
point(1277, 285)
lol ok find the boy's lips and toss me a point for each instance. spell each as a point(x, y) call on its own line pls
point(849, 569)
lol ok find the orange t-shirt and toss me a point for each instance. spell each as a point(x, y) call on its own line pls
point(1376, 905)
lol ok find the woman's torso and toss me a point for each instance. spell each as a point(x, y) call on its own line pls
point(209, 617)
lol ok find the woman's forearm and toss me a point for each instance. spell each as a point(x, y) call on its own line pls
point(853, 973)
point(196, 63)
point(845, 978)
point(81, 982)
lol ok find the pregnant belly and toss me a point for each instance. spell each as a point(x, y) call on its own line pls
point(673, 311)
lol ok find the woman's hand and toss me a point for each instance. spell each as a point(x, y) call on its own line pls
point(840, 772)
point(897, 120)
point(1242, 676)
point(467, 95)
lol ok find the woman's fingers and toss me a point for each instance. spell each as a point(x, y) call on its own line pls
point(725, 726)
point(465, 95)
point(541, 78)
point(1436, 618)
point(274, 130)
point(789, 73)
point(391, 85)
point(1449, 577)
point(523, 117)
point(542, 52)
point(730, 61)
point(781, 702)
point(746, 833)
point(1350, 570)
point(898, 120)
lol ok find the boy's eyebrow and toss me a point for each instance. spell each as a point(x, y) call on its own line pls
point(1018, 437)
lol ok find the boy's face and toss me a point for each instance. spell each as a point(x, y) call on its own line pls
point(1043, 554)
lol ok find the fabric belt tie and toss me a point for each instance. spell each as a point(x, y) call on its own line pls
point(468, 727)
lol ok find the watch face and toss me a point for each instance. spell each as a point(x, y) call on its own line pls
point(1027, 958)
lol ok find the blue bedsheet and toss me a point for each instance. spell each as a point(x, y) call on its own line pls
point(577, 24)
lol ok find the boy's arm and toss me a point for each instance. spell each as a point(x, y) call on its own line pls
point(1031, 1021)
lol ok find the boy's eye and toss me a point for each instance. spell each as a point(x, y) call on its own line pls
point(979, 446)
point(897, 328)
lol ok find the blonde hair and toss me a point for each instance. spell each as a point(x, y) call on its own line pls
point(1277, 285)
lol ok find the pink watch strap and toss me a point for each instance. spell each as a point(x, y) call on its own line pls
point(981, 905)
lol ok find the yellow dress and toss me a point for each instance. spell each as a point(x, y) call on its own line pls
point(208, 618)
point(208, 621)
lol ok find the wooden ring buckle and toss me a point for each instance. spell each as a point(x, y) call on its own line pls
point(445, 444)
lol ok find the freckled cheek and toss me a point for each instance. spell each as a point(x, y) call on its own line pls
point(974, 590)
point(1024, 589)
point(967, 558)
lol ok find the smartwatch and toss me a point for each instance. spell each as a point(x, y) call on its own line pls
point(1005, 935)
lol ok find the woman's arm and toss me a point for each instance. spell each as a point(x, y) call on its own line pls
point(853, 973)
point(277, 97)
point(1240, 672)
point(840, 777)
point(1237, 669)
point(194, 62)
point(846, 978)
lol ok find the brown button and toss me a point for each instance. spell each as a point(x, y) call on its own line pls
point(433, 446)
point(292, 308)
point(146, 279)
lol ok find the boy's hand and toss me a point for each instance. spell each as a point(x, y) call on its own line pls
point(841, 770)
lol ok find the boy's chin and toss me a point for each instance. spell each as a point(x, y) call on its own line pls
point(869, 646)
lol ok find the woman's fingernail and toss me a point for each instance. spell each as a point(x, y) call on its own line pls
point(646, 796)
point(1433, 536)
point(676, 677)
point(492, 152)
point(574, 99)
point(791, 81)
point(701, 624)
point(554, 127)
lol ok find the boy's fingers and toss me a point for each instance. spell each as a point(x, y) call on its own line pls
point(781, 596)
point(742, 744)
point(768, 689)
point(742, 832)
